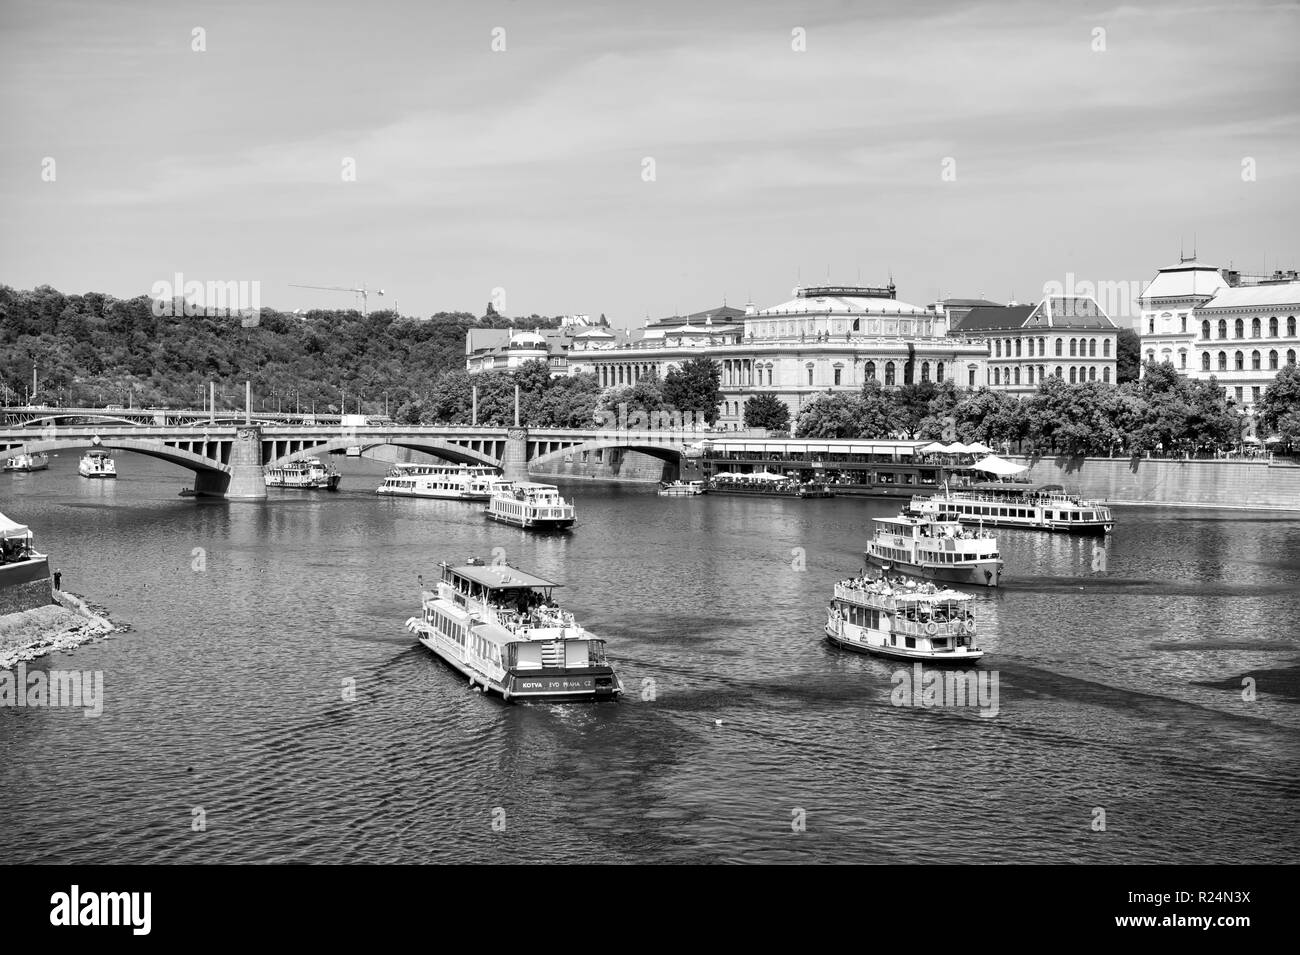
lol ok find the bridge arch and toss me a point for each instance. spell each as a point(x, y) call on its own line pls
point(670, 453)
point(152, 448)
point(447, 450)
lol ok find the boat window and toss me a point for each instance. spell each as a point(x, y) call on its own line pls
point(910, 642)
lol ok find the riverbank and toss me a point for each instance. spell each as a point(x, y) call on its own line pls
point(65, 625)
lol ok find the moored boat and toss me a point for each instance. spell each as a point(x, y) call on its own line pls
point(35, 461)
point(768, 485)
point(309, 473)
point(903, 621)
point(500, 627)
point(1045, 507)
point(681, 488)
point(935, 547)
point(530, 505)
point(457, 482)
point(97, 463)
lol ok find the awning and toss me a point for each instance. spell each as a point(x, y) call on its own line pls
point(12, 531)
point(996, 465)
point(934, 447)
point(978, 448)
point(766, 476)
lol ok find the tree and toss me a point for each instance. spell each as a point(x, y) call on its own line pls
point(766, 410)
point(1128, 356)
point(912, 405)
point(1279, 407)
point(694, 387)
point(832, 415)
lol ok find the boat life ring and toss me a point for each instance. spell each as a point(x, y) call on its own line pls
point(931, 628)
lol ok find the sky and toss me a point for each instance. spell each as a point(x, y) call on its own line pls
point(641, 159)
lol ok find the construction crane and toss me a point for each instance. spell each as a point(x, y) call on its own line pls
point(362, 291)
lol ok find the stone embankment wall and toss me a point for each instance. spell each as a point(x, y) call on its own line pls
point(1187, 483)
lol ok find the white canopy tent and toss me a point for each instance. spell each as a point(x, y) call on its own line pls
point(999, 466)
point(765, 476)
point(978, 448)
point(10, 530)
point(934, 447)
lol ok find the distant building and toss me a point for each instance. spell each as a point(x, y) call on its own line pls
point(504, 349)
point(1167, 328)
point(1068, 336)
point(955, 309)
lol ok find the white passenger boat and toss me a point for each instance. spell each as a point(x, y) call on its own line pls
point(936, 548)
point(309, 473)
point(681, 488)
point(530, 505)
point(96, 463)
point(501, 628)
point(903, 621)
point(37, 461)
point(1013, 504)
point(457, 482)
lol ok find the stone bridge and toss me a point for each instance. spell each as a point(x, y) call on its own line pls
point(231, 461)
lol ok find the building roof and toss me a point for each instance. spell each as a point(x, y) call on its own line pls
point(1185, 280)
point(1068, 311)
point(844, 300)
point(987, 318)
point(1255, 296)
point(595, 332)
point(966, 302)
point(722, 315)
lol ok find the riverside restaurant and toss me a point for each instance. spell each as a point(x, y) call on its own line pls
point(867, 468)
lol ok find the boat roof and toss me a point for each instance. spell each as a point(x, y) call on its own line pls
point(533, 486)
point(911, 596)
point(501, 577)
point(1013, 488)
point(913, 521)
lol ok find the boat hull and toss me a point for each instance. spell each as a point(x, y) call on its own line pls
point(954, 657)
point(571, 685)
point(436, 495)
point(531, 523)
point(984, 573)
point(98, 475)
point(330, 483)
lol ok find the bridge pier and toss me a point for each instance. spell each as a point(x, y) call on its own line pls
point(514, 459)
point(247, 479)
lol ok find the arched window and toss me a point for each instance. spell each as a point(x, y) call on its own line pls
point(1042, 373)
point(1151, 354)
point(871, 370)
point(1254, 361)
point(1074, 347)
point(1290, 356)
point(1223, 328)
point(1017, 376)
point(908, 372)
point(1239, 329)
point(1058, 367)
point(1290, 326)
point(997, 376)
point(1092, 348)
point(938, 371)
point(1072, 373)
point(810, 374)
point(925, 371)
point(1017, 347)
point(1254, 328)
point(1182, 359)
point(1272, 327)
point(889, 374)
point(1105, 374)
point(997, 348)
point(1105, 348)
point(1223, 361)
point(1042, 346)
point(1205, 329)
point(1240, 361)
point(1272, 360)
point(1205, 361)
point(1029, 372)
point(1058, 350)
point(1092, 373)
point(769, 374)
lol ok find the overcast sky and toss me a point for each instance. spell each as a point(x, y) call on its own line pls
point(525, 169)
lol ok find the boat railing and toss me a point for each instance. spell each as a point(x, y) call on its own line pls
point(1010, 500)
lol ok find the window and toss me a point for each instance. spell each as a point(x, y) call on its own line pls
point(810, 374)
point(1182, 359)
point(1105, 374)
point(1239, 329)
point(1239, 361)
point(1290, 356)
point(1042, 373)
point(925, 371)
point(907, 373)
point(1254, 393)
point(1017, 347)
point(1058, 367)
point(1238, 392)
point(1092, 348)
point(1223, 361)
point(1042, 346)
point(1205, 329)
point(1074, 347)
point(871, 371)
point(1290, 326)
point(1205, 361)
point(1183, 322)
point(1058, 351)
point(1223, 328)
point(1272, 360)
point(1017, 376)
point(889, 374)
point(1254, 328)
point(1072, 374)
point(1272, 327)
point(1151, 326)
point(1092, 373)
point(1105, 348)
point(1029, 374)
point(938, 371)
point(837, 374)
point(970, 377)
point(997, 376)
point(769, 374)
point(1254, 361)
point(997, 348)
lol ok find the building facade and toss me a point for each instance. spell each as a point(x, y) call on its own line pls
point(1066, 336)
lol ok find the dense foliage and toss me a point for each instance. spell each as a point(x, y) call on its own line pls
point(1164, 411)
point(768, 411)
point(1279, 407)
point(1128, 356)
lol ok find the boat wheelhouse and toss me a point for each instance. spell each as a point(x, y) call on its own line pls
point(35, 461)
point(455, 482)
point(97, 463)
point(903, 621)
point(309, 473)
point(530, 505)
point(681, 488)
point(501, 627)
point(935, 547)
point(1016, 504)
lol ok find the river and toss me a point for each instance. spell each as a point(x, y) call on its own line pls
point(227, 735)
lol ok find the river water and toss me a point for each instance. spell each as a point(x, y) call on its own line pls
point(226, 735)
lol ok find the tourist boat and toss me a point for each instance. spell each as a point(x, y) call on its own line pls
point(935, 547)
point(903, 621)
point(1015, 504)
point(24, 571)
point(35, 461)
point(682, 488)
point(457, 482)
point(310, 473)
point(530, 505)
point(96, 463)
point(501, 628)
point(765, 484)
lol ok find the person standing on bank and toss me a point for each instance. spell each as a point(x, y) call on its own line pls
point(58, 579)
